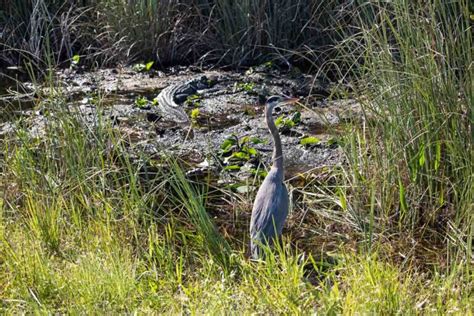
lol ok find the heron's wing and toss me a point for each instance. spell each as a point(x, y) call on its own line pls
point(269, 211)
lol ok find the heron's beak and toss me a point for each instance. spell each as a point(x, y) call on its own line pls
point(289, 101)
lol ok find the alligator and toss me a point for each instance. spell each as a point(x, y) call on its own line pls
point(170, 96)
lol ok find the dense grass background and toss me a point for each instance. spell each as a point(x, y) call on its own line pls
point(83, 230)
point(412, 158)
point(170, 32)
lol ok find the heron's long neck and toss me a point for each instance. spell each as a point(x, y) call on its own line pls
point(277, 152)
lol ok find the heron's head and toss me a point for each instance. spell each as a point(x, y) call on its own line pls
point(280, 100)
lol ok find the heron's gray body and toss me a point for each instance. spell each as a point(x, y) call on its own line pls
point(270, 208)
point(269, 212)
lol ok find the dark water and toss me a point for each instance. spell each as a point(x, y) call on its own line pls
point(12, 105)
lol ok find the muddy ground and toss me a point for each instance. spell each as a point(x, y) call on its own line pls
point(227, 134)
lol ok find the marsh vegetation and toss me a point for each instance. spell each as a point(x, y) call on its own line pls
point(99, 214)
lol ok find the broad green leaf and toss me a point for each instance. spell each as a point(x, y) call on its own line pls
point(149, 65)
point(251, 151)
point(296, 118)
point(244, 140)
point(256, 140)
point(195, 114)
point(310, 140)
point(141, 102)
point(76, 59)
point(228, 143)
point(279, 121)
point(241, 155)
point(289, 123)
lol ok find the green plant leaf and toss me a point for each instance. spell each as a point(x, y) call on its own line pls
point(262, 173)
point(141, 102)
point(256, 140)
point(288, 122)
point(402, 197)
point(268, 64)
point(246, 86)
point(195, 114)
point(310, 140)
point(244, 140)
point(193, 100)
point(76, 59)
point(438, 156)
point(241, 155)
point(251, 151)
point(422, 157)
point(149, 65)
point(232, 168)
point(228, 143)
point(279, 121)
point(296, 118)
point(333, 141)
point(342, 199)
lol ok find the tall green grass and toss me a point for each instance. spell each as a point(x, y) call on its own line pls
point(109, 32)
point(82, 230)
point(249, 32)
point(164, 31)
point(411, 160)
point(37, 32)
point(192, 199)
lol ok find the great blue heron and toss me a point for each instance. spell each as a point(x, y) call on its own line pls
point(270, 208)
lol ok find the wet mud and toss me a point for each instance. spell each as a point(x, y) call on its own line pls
point(226, 136)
